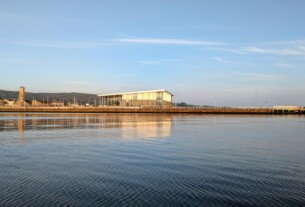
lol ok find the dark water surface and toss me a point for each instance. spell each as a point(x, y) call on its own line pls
point(151, 160)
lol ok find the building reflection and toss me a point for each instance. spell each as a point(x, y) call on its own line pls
point(21, 128)
point(130, 125)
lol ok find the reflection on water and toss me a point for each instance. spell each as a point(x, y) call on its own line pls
point(21, 128)
point(130, 125)
point(151, 160)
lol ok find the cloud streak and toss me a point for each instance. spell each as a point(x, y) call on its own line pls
point(160, 41)
point(285, 48)
point(283, 65)
point(93, 44)
point(221, 60)
point(297, 51)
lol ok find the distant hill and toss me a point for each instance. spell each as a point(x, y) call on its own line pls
point(67, 97)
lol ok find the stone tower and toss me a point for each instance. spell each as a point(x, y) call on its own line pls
point(21, 97)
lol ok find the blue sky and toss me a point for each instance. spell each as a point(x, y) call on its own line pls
point(236, 53)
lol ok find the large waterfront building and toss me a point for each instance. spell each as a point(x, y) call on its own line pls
point(138, 98)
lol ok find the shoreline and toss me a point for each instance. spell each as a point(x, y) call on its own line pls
point(163, 110)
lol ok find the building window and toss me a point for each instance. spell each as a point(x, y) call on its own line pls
point(134, 97)
point(159, 96)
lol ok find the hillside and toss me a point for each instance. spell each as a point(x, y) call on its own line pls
point(80, 97)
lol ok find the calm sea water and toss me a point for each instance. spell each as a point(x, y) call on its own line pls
point(151, 160)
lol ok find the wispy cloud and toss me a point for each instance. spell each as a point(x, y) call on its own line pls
point(276, 51)
point(280, 48)
point(232, 49)
point(283, 65)
point(285, 48)
point(285, 43)
point(221, 60)
point(161, 41)
point(88, 44)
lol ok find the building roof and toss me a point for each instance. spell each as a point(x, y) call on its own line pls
point(135, 92)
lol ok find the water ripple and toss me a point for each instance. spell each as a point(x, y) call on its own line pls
point(148, 160)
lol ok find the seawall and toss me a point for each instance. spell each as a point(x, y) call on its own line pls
point(177, 110)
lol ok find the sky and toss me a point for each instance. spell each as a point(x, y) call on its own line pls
point(206, 52)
